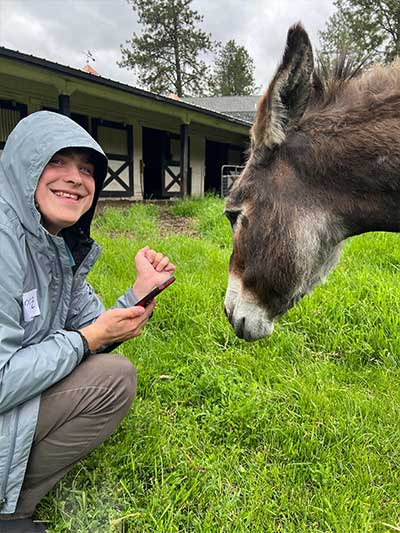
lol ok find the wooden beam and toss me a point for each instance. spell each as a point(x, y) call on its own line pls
point(184, 159)
point(64, 104)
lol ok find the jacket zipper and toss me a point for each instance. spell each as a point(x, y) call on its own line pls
point(13, 423)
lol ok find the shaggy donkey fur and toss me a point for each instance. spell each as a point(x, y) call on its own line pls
point(324, 165)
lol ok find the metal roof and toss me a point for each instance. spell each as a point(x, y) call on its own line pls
point(241, 107)
point(226, 104)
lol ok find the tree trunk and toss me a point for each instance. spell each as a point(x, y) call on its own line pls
point(179, 91)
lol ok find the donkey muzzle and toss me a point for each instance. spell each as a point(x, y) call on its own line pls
point(249, 320)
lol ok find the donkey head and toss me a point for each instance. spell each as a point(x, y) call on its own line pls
point(285, 238)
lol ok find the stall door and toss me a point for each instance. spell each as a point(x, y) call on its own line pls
point(161, 162)
point(10, 114)
point(116, 139)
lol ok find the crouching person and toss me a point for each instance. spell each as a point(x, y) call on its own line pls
point(60, 397)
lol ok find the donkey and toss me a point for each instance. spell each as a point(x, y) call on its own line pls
point(324, 165)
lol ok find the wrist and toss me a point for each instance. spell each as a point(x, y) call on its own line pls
point(140, 289)
point(93, 339)
point(86, 348)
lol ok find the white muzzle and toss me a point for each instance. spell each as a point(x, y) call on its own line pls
point(249, 320)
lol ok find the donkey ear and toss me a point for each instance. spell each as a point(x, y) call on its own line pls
point(287, 96)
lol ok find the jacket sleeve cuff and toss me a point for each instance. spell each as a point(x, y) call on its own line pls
point(76, 340)
point(128, 299)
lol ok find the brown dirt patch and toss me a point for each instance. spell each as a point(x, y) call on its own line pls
point(167, 223)
point(172, 225)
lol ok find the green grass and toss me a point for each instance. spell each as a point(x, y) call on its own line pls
point(296, 433)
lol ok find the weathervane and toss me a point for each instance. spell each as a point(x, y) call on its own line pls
point(89, 56)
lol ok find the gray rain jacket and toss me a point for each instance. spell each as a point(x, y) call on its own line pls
point(36, 347)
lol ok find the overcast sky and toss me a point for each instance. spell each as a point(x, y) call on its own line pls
point(63, 30)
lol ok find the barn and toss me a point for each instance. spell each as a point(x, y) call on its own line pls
point(158, 147)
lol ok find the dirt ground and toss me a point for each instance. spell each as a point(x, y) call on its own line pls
point(168, 224)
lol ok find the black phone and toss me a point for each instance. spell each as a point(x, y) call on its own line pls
point(144, 302)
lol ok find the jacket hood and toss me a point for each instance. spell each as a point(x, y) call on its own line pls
point(28, 149)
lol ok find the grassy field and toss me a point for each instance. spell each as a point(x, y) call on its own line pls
point(296, 433)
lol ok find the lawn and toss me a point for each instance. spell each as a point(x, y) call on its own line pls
point(296, 433)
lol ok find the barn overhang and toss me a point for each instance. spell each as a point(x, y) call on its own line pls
point(67, 81)
point(157, 147)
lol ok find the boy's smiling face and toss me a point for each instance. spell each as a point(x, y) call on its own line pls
point(65, 190)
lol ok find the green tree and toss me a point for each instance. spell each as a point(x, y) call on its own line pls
point(166, 55)
point(363, 28)
point(233, 72)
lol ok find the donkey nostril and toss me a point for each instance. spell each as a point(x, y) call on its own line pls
point(297, 298)
point(239, 330)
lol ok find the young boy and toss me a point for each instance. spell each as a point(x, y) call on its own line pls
point(59, 399)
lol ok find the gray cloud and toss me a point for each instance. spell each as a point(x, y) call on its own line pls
point(63, 30)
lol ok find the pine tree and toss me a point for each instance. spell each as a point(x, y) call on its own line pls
point(166, 54)
point(234, 71)
point(363, 28)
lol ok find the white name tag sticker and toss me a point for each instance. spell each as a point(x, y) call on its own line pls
point(30, 304)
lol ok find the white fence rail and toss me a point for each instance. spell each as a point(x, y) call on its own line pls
point(229, 173)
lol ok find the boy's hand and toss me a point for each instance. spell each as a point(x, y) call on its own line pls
point(117, 325)
point(152, 269)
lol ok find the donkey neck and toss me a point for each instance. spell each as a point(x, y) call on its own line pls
point(353, 168)
point(365, 212)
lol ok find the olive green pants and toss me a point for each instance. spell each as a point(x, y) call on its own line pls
point(76, 415)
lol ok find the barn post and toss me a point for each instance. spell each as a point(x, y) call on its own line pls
point(64, 104)
point(184, 171)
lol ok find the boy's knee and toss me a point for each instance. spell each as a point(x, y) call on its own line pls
point(114, 372)
point(129, 377)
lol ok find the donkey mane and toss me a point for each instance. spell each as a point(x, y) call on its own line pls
point(348, 93)
point(349, 83)
point(329, 81)
point(353, 122)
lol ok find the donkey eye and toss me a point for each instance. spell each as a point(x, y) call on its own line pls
point(232, 216)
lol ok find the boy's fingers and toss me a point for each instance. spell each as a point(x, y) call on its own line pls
point(147, 311)
point(150, 308)
point(142, 252)
point(150, 255)
point(157, 259)
point(162, 264)
point(135, 311)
